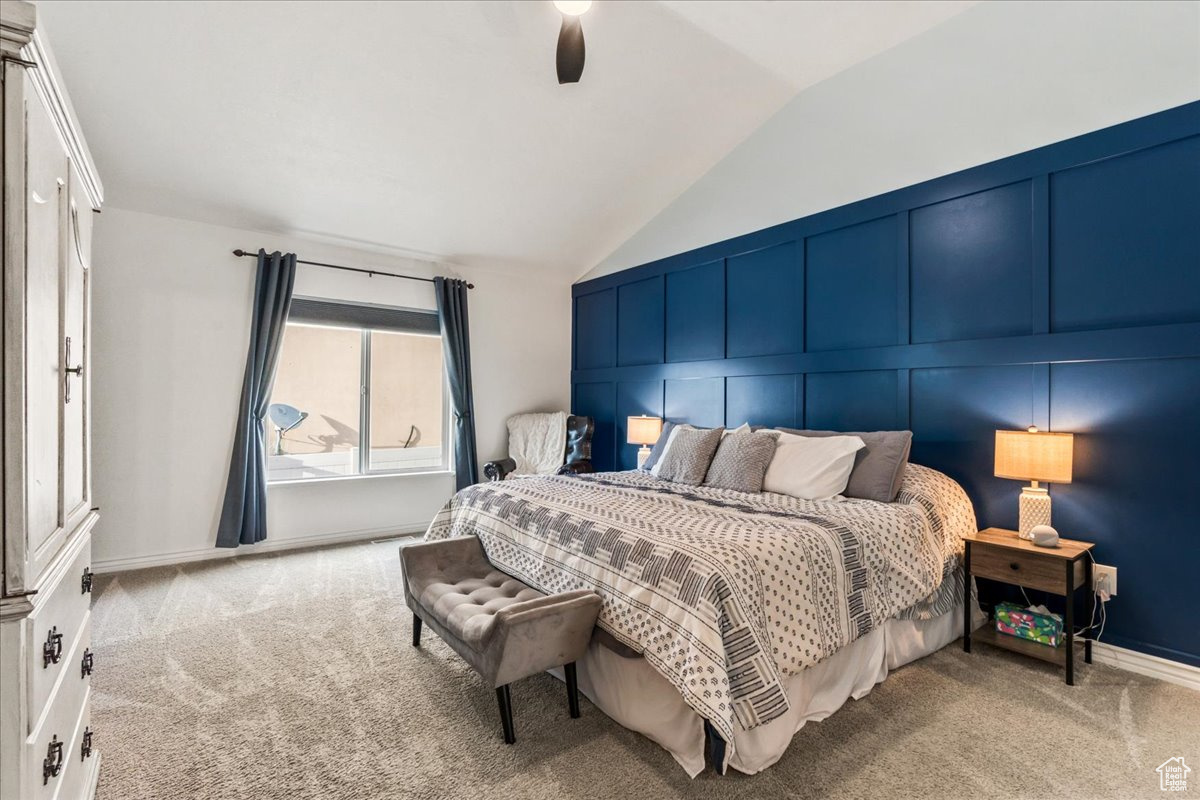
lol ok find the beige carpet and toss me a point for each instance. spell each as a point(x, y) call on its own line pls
point(291, 676)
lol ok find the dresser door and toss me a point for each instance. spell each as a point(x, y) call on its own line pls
point(76, 351)
point(45, 204)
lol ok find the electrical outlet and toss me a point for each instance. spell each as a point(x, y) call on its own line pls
point(1104, 579)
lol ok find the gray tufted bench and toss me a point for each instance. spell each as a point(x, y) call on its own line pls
point(501, 627)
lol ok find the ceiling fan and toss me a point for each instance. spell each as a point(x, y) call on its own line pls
point(569, 59)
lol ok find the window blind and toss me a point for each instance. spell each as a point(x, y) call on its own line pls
point(363, 315)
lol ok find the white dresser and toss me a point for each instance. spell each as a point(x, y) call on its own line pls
point(51, 190)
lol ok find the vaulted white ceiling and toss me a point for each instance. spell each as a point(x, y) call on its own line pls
point(806, 41)
point(439, 128)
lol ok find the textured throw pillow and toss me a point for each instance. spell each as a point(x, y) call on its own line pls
point(878, 467)
point(688, 454)
point(741, 461)
point(659, 447)
point(811, 468)
point(743, 428)
point(664, 441)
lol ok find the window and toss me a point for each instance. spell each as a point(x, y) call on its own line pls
point(358, 390)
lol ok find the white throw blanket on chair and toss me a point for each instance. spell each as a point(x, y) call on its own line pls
point(537, 442)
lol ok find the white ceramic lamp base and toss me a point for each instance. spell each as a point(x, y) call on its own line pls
point(643, 454)
point(1034, 510)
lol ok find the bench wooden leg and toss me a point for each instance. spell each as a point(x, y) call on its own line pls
point(416, 631)
point(506, 719)
point(572, 690)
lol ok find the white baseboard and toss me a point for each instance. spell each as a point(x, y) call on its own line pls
point(1143, 664)
point(270, 545)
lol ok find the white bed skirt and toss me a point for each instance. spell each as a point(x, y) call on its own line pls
point(631, 692)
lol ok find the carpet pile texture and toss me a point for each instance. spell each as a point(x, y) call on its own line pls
point(291, 676)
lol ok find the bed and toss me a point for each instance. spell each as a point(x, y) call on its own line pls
point(727, 616)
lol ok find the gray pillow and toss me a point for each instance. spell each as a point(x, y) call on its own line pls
point(878, 467)
point(741, 461)
point(687, 459)
point(659, 446)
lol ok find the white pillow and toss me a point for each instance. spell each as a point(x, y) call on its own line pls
point(743, 428)
point(811, 468)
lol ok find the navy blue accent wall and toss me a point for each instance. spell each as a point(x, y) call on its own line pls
point(1059, 287)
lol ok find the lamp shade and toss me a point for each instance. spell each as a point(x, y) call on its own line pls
point(1034, 456)
point(644, 430)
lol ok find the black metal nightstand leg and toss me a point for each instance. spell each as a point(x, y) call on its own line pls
point(966, 597)
point(1069, 623)
point(1091, 610)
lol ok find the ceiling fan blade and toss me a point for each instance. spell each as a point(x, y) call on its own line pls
point(569, 59)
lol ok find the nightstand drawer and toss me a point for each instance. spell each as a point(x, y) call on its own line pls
point(1022, 569)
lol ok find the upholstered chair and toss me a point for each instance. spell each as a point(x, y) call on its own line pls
point(577, 457)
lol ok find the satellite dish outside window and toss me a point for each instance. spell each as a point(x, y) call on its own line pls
point(284, 417)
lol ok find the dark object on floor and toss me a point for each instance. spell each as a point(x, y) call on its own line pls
point(577, 459)
point(502, 628)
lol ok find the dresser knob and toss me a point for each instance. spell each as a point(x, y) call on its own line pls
point(85, 747)
point(52, 764)
point(1015, 565)
point(52, 648)
point(85, 665)
point(87, 580)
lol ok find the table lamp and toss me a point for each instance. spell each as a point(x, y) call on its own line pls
point(644, 431)
point(1034, 456)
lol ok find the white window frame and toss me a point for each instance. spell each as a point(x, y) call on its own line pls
point(363, 465)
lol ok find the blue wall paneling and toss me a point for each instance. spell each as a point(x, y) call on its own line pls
point(1058, 287)
point(596, 318)
point(634, 399)
point(773, 400)
point(851, 273)
point(971, 265)
point(697, 401)
point(1135, 489)
point(853, 401)
point(955, 414)
point(640, 322)
point(764, 306)
point(599, 400)
point(1125, 239)
point(696, 313)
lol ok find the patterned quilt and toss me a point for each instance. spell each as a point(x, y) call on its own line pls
point(724, 593)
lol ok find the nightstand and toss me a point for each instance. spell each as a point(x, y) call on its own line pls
point(1001, 555)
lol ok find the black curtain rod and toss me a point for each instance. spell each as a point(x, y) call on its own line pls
point(372, 272)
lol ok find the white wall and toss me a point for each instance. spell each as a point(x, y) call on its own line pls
point(999, 79)
point(171, 314)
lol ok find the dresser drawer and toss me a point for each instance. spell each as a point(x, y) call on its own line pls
point(1032, 571)
point(57, 621)
point(63, 713)
point(75, 777)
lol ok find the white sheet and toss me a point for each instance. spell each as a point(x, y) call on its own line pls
point(632, 693)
